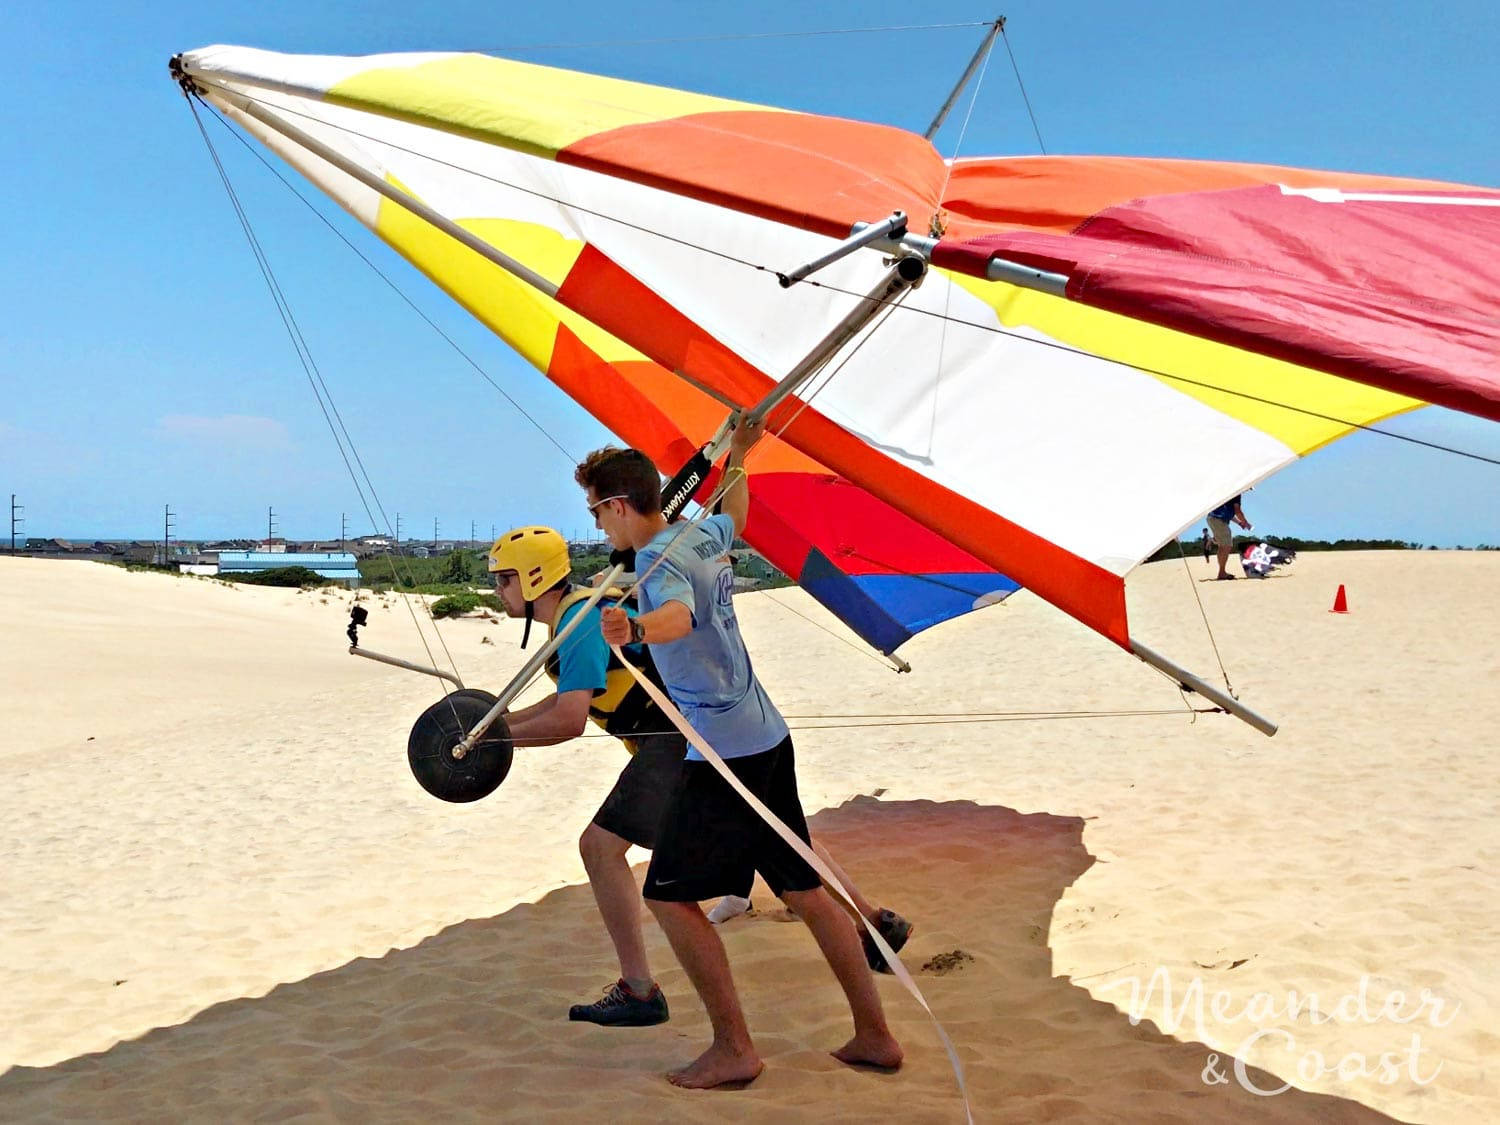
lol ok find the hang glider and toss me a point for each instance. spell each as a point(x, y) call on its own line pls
point(1103, 349)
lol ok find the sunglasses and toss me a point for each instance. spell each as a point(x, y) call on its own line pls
point(597, 504)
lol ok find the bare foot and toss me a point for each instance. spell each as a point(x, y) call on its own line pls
point(719, 1066)
point(879, 1051)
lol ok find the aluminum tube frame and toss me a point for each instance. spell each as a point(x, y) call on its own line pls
point(523, 677)
point(996, 269)
point(397, 662)
point(274, 121)
point(984, 49)
point(861, 235)
point(1192, 683)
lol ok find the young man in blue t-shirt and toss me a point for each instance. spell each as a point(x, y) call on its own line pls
point(710, 838)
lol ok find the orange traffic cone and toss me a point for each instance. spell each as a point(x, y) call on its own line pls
point(1340, 602)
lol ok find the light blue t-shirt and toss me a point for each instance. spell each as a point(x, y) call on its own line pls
point(707, 673)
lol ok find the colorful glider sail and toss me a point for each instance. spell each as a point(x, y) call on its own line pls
point(1226, 317)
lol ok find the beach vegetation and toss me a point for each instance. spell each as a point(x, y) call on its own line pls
point(466, 601)
point(299, 576)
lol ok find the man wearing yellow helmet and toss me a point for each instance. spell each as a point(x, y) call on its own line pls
point(530, 567)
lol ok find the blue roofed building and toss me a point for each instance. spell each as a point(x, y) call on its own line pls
point(339, 566)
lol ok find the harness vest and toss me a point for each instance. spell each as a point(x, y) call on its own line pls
point(622, 707)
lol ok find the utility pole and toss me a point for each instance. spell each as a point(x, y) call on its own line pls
point(472, 540)
point(270, 526)
point(398, 531)
point(15, 518)
point(166, 537)
point(343, 531)
point(434, 534)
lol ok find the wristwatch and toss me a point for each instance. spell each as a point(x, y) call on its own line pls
point(637, 632)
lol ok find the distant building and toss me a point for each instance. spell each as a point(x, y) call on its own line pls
point(337, 565)
point(273, 547)
point(48, 546)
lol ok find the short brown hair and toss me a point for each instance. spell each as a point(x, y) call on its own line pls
point(612, 471)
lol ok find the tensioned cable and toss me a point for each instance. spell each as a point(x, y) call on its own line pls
point(799, 722)
point(936, 232)
point(1035, 127)
point(483, 374)
point(571, 459)
point(994, 329)
point(865, 652)
point(1203, 613)
point(733, 37)
point(314, 377)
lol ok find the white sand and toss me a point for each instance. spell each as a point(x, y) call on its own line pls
point(222, 896)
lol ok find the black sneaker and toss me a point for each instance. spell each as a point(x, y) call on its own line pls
point(620, 1007)
point(895, 929)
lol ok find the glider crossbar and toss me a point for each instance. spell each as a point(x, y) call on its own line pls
point(280, 124)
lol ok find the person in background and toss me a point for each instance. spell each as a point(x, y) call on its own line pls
point(1218, 522)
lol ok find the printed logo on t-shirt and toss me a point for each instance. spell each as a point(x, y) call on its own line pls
point(724, 589)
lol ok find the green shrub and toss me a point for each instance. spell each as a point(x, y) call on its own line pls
point(281, 576)
point(455, 605)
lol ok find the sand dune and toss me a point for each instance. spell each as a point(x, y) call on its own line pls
point(223, 897)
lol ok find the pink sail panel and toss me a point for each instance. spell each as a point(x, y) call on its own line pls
point(1399, 290)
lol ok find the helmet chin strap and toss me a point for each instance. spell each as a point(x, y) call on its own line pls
point(526, 632)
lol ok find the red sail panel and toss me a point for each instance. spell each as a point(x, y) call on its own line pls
point(1399, 291)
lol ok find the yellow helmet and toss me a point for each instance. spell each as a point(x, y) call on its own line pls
point(538, 555)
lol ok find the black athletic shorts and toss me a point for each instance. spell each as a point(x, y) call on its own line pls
point(712, 842)
point(634, 807)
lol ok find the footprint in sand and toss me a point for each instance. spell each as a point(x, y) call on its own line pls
point(945, 963)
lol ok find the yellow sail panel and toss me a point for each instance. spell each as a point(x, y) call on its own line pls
point(1302, 408)
point(533, 109)
point(524, 317)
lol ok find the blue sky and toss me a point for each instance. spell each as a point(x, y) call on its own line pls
point(144, 363)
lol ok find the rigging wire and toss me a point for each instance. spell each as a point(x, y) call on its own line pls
point(993, 329)
point(315, 380)
point(1203, 613)
point(483, 374)
point(936, 231)
point(310, 370)
point(865, 336)
point(572, 460)
point(921, 719)
point(733, 37)
point(1035, 127)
